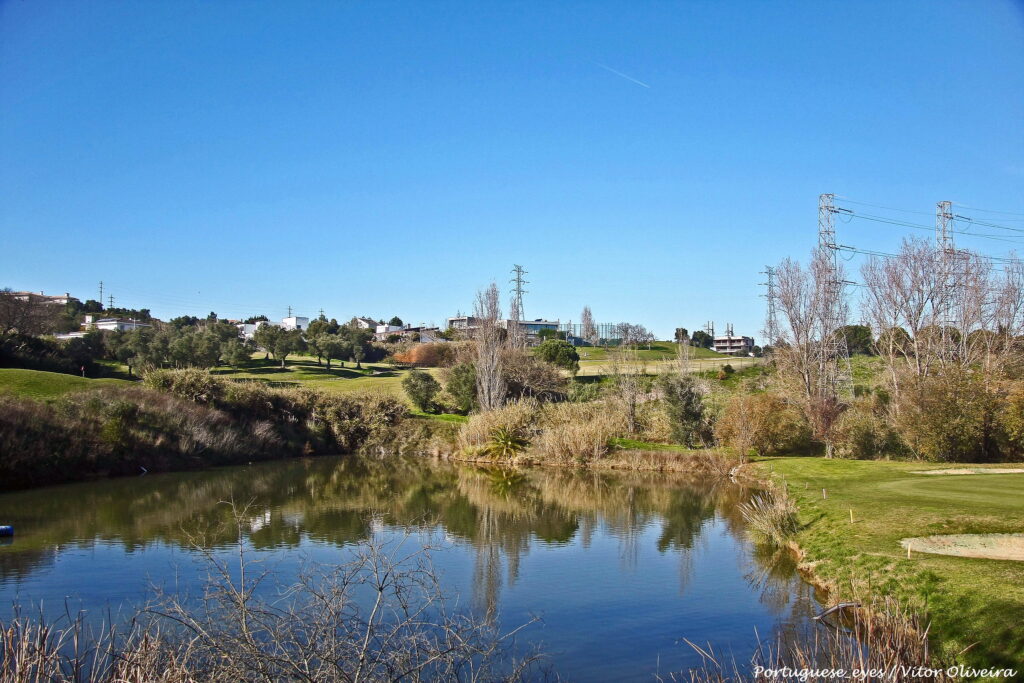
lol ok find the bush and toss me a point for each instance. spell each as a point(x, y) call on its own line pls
point(186, 419)
point(460, 383)
point(559, 353)
point(950, 418)
point(683, 396)
point(763, 423)
point(421, 388)
point(516, 417)
point(863, 434)
point(431, 355)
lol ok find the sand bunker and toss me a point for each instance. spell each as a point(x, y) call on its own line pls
point(987, 546)
point(973, 470)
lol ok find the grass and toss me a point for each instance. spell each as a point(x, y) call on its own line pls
point(41, 385)
point(662, 350)
point(590, 368)
point(304, 371)
point(974, 604)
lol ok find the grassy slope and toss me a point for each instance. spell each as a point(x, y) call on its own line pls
point(44, 385)
point(972, 601)
point(662, 350)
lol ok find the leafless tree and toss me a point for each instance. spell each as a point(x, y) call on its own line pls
point(629, 381)
point(935, 310)
point(810, 313)
point(490, 342)
point(26, 314)
point(588, 330)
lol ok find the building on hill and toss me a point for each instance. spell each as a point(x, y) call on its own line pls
point(295, 322)
point(530, 328)
point(734, 345)
point(366, 323)
point(41, 298)
point(112, 324)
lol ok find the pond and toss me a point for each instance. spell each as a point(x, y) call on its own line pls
point(620, 568)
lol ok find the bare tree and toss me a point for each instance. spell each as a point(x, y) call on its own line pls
point(490, 342)
point(588, 330)
point(629, 382)
point(26, 314)
point(811, 313)
point(935, 310)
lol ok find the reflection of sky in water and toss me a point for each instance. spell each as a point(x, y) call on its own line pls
point(618, 584)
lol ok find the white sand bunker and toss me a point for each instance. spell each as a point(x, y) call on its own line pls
point(973, 470)
point(987, 546)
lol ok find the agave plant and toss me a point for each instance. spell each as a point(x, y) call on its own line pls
point(505, 442)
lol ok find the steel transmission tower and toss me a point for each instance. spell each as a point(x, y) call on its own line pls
point(771, 322)
point(835, 374)
point(515, 312)
point(947, 255)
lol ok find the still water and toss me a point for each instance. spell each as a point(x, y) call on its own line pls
point(620, 567)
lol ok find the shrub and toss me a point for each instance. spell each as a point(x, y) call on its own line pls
point(460, 383)
point(430, 355)
point(950, 418)
point(763, 423)
point(684, 403)
point(518, 417)
point(529, 377)
point(421, 388)
point(863, 434)
point(580, 392)
point(559, 353)
point(198, 386)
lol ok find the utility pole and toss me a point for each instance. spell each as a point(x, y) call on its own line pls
point(289, 311)
point(321, 311)
point(101, 292)
point(835, 374)
point(771, 325)
point(111, 305)
point(710, 329)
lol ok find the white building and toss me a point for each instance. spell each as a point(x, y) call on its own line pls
point(366, 323)
point(112, 324)
point(248, 330)
point(734, 345)
point(295, 322)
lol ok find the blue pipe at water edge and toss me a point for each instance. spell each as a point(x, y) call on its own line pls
point(6, 531)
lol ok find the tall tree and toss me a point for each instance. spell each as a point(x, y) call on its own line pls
point(490, 387)
point(588, 330)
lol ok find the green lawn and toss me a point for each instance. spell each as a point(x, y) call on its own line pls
point(973, 603)
point(46, 385)
point(304, 371)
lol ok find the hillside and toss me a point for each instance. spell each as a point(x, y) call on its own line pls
point(45, 385)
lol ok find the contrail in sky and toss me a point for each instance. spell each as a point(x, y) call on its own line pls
point(619, 73)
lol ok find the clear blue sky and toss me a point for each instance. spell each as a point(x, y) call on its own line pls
point(383, 158)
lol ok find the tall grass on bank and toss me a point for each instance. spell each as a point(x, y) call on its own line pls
point(381, 616)
point(888, 642)
point(184, 419)
point(771, 516)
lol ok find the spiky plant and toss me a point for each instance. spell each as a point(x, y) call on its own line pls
point(505, 442)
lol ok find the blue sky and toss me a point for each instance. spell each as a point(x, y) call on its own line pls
point(391, 158)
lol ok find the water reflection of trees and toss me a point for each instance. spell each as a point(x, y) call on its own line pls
point(499, 513)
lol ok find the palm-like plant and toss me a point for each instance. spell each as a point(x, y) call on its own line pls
point(505, 442)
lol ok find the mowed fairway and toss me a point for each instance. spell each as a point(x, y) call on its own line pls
point(305, 372)
point(973, 603)
point(42, 385)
